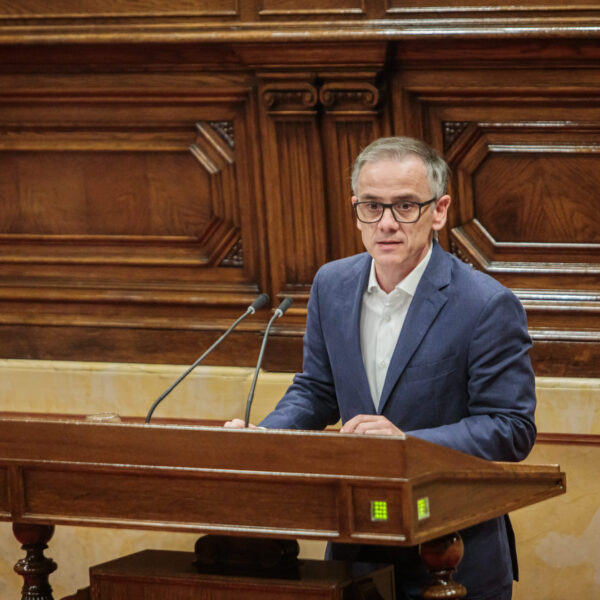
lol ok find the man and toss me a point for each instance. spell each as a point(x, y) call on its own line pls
point(406, 338)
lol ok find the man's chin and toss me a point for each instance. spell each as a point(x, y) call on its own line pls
point(394, 254)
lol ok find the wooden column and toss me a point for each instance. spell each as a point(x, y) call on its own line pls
point(35, 568)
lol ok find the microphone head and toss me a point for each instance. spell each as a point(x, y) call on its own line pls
point(285, 304)
point(261, 301)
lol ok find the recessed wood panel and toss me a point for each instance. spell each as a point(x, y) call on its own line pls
point(393, 524)
point(396, 6)
point(99, 8)
point(103, 193)
point(541, 197)
point(345, 139)
point(302, 201)
point(193, 500)
point(521, 175)
point(123, 192)
point(520, 199)
point(4, 507)
point(311, 7)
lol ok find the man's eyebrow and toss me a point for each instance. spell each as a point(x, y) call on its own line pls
point(399, 198)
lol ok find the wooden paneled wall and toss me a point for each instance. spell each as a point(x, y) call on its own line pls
point(163, 163)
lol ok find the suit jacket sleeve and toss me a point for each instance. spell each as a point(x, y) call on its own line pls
point(310, 402)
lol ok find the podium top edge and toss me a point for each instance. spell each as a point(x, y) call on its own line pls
point(139, 423)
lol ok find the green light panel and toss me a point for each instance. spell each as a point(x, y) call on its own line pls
point(423, 508)
point(379, 510)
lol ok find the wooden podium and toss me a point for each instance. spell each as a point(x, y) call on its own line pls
point(285, 484)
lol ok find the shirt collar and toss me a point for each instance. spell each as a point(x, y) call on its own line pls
point(408, 284)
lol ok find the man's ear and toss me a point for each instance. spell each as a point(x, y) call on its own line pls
point(440, 212)
point(353, 200)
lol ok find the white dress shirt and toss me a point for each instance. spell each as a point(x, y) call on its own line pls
point(381, 320)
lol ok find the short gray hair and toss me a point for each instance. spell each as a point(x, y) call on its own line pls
point(399, 148)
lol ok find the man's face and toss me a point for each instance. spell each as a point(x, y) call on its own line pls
point(397, 248)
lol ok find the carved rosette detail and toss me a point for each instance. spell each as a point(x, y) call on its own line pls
point(225, 131)
point(452, 131)
point(290, 97)
point(349, 96)
point(235, 257)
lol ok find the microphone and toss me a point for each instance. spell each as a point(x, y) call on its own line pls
point(285, 304)
point(261, 301)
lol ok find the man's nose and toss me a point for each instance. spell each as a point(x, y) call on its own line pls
point(387, 220)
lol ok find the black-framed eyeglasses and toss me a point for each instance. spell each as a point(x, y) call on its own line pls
point(403, 211)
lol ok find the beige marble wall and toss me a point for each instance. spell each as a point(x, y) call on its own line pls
point(558, 539)
point(130, 389)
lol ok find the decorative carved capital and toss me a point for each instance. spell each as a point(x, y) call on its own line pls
point(290, 96)
point(350, 95)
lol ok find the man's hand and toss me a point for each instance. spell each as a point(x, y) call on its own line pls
point(373, 424)
point(238, 424)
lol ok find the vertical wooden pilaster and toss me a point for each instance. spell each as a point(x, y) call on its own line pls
point(294, 183)
point(352, 119)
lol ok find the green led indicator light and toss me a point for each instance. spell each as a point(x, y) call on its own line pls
point(379, 510)
point(423, 508)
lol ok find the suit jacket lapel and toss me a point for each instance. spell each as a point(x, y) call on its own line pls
point(424, 308)
point(352, 289)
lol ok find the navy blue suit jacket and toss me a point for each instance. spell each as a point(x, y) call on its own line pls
point(460, 376)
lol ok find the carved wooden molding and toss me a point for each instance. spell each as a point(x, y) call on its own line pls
point(349, 96)
point(576, 439)
point(314, 8)
point(225, 130)
point(235, 257)
point(338, 96)
point(458, 252)
point(290, 96)
point(213, 149)
point(322, 20)
point(452, 131)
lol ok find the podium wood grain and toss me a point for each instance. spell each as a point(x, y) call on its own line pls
point(263, 483)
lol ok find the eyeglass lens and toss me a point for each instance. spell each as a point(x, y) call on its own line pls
point(371, 212)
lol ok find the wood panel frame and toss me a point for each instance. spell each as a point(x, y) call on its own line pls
point(473, 107)
point(273, 122)
point(65, 292)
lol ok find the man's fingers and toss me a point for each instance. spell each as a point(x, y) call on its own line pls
point(351, 425)
point(370, 424)
point(238, 424)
